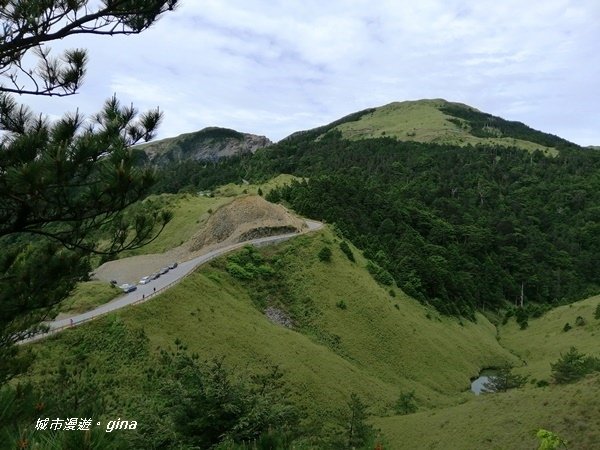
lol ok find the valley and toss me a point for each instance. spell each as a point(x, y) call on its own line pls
point(420, 277)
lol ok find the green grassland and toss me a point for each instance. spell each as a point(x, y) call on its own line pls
point(87, 295)
point(422, 121)
point(544, 339)
point(509, 420)
point(505, 421)
point(377, 345)
point(372, 347)
point(232, 189)
point(189, 213)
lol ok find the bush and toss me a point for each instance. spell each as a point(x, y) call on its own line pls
point(406, 403)
point(542, 383)
point(325, 254)
point(265, 270)
point(573, 365)
point(380, 274)
point(597, 312)
point(341, 304)
point(210, 404)
point(579, 321)
point(550, 440)
point(567, 327)
point(238, 271)
point(392, 293)
point(344, 247)
point(522, 317)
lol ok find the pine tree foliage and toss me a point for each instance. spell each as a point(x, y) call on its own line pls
point(64, 184)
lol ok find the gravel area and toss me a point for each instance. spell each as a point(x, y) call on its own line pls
point(245, 218)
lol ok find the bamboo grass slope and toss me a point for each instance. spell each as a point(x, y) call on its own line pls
point(378, 346)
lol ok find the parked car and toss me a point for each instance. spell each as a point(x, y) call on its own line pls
point(145, 280)
point(128, 287)
point(164, 270)
point(155, 275)
point(173, 265)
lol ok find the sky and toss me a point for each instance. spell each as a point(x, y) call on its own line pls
point(275, 67)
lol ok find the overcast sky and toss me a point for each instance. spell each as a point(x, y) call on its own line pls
point(275, 67)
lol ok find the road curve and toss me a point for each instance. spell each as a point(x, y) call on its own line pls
point(172, 277)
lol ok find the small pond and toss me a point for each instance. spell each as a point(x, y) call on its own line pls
point(484, 377)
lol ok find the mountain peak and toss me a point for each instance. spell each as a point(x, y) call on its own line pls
point(443, 122)
point(207, 144)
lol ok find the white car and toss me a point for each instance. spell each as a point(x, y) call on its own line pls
point(145, 280)
point(128, 287)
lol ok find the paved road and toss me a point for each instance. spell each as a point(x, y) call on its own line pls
point(146, 291)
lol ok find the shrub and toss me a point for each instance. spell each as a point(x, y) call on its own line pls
point(542, 383)
point(550, 440)
point(597, 312)
point(344, 247)
point(325, 254)
point(238, 271)
point(265, 270)
point(392, 293)
point(341, 304)
point(406, 403)
point(579, 321)
point(380, 274)
point(522, 317)
point(567, 327)
point(260, 192)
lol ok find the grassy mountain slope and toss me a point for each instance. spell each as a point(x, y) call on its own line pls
point(504, 421)
point(442, 122)
point(372, 347)
point(190, 211)
point(509, 420)
point(544, 339)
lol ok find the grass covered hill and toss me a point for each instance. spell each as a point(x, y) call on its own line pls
point(332, 331)
point(442, 122)
point(510, 420)
point(348, 334)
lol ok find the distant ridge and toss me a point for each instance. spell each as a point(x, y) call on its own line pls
point(208, 144)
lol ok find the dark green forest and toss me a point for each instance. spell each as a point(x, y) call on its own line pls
point(460, 228)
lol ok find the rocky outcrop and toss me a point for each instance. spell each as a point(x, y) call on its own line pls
point(209, 144)
point(246, 218)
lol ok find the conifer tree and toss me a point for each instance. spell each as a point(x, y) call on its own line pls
point(63, 181)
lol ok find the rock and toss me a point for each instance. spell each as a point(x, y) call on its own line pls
point(279, 317)
point(208, 144)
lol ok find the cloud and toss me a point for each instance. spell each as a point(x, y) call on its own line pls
point(276, 67)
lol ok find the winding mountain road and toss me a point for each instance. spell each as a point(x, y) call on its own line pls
point(146, 291)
